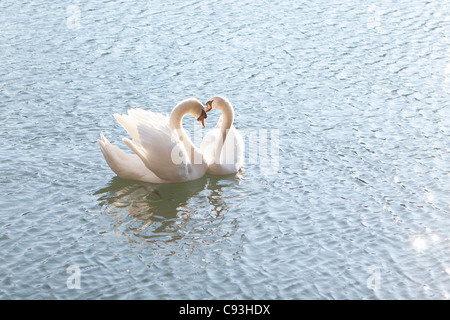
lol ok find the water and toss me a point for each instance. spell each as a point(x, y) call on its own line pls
point(356, 206)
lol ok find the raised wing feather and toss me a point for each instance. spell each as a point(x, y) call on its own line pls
point(137, 116)
point(156, 144)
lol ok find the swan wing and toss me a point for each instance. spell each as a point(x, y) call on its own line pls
point(156, 144)
point(231, 157)
point(125, 165)
point(232, 154)
point(209, 142)
point(137, 116)
point(208, 145)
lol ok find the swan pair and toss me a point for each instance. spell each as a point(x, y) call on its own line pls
point(163, 152)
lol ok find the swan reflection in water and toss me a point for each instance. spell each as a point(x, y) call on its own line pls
point(147, 212)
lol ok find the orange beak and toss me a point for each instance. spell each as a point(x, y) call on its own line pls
point(202, 118)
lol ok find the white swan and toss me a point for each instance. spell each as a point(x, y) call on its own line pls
point(163, 151)
point(223, 146)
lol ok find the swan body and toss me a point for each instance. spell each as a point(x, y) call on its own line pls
point(223, 146)
point(163, 152)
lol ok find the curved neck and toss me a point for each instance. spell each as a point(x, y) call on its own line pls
point(178, 113)
point(227, 122)
point(176, 123)
point(227, 118)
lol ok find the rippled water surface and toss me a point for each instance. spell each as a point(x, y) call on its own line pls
point(347, 198)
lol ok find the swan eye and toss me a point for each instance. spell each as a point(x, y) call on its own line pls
point(209, 105)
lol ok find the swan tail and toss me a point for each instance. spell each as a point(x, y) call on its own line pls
point(125, 165)
point(110, 152)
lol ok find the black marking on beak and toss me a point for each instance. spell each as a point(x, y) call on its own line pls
point(202, 116)
point(209, 105)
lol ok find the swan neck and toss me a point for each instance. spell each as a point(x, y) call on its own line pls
point(227, 119)
point(176, 123)
point(177, 115)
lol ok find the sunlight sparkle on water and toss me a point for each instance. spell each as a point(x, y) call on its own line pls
point(419, 243)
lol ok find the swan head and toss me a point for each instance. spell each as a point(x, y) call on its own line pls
point(217, 102)
point(190, 106)
point(202, 117)
point(196, 108)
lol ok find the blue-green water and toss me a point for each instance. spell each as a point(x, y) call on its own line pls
point(356, 207)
